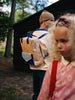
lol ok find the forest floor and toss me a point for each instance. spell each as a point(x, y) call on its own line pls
point(20, 82)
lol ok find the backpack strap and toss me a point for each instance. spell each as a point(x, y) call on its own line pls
point(29, 35)
point(53, 77)
point(42, 35)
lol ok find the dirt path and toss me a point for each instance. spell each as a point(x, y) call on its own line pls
point(10, 79)
point(6, 63)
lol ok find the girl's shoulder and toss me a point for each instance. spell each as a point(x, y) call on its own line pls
point(59, 63)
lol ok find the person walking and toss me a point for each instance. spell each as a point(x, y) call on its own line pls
point(46, 20)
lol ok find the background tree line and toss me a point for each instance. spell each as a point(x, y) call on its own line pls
point(19, 11)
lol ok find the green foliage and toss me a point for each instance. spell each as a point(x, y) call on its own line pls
point(22, 4)
point(2, 52)
point(39, 4)
point(19, 16)
point(2, 2)
point(4, 25)
point(2, 47)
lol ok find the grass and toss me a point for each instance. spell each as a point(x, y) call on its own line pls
point(2, 50)
point(1, 53)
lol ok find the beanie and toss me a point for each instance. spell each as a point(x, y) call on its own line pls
point(45, 15)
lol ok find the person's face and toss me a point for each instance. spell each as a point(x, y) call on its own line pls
point(64, 43)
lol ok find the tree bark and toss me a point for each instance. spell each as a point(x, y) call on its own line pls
point(10, 31)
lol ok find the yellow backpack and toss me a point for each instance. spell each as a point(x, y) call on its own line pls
point(31, 49)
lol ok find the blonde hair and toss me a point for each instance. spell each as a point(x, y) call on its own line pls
point(71, 19)
point(71, 28)
point(52, 46)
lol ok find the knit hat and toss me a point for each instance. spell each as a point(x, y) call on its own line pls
point(45, 15)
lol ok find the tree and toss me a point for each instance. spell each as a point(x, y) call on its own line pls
point(19, 17)
point(4, 25)
point(9, 37)
point(4, 22)
point(10, 30)
point(39, 4)
point(20, 5)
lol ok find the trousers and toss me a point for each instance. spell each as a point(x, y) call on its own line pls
point(38, 76)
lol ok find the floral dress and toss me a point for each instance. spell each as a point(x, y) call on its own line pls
point(65, 82)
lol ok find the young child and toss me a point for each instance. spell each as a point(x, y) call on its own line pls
point(64, 33)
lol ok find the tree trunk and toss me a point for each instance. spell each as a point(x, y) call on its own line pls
point(9, 37)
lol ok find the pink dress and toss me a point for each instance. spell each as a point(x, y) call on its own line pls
point(65, 82)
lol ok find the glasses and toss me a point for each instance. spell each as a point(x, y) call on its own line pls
point(64, 21)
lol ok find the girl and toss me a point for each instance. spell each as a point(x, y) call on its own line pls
point(64, 33)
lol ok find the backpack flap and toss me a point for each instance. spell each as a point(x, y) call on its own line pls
point(37, 55)
point(28, 57)
point(26, 47)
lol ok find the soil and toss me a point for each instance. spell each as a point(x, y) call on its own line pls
point(6, 63)
point(20, 81)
